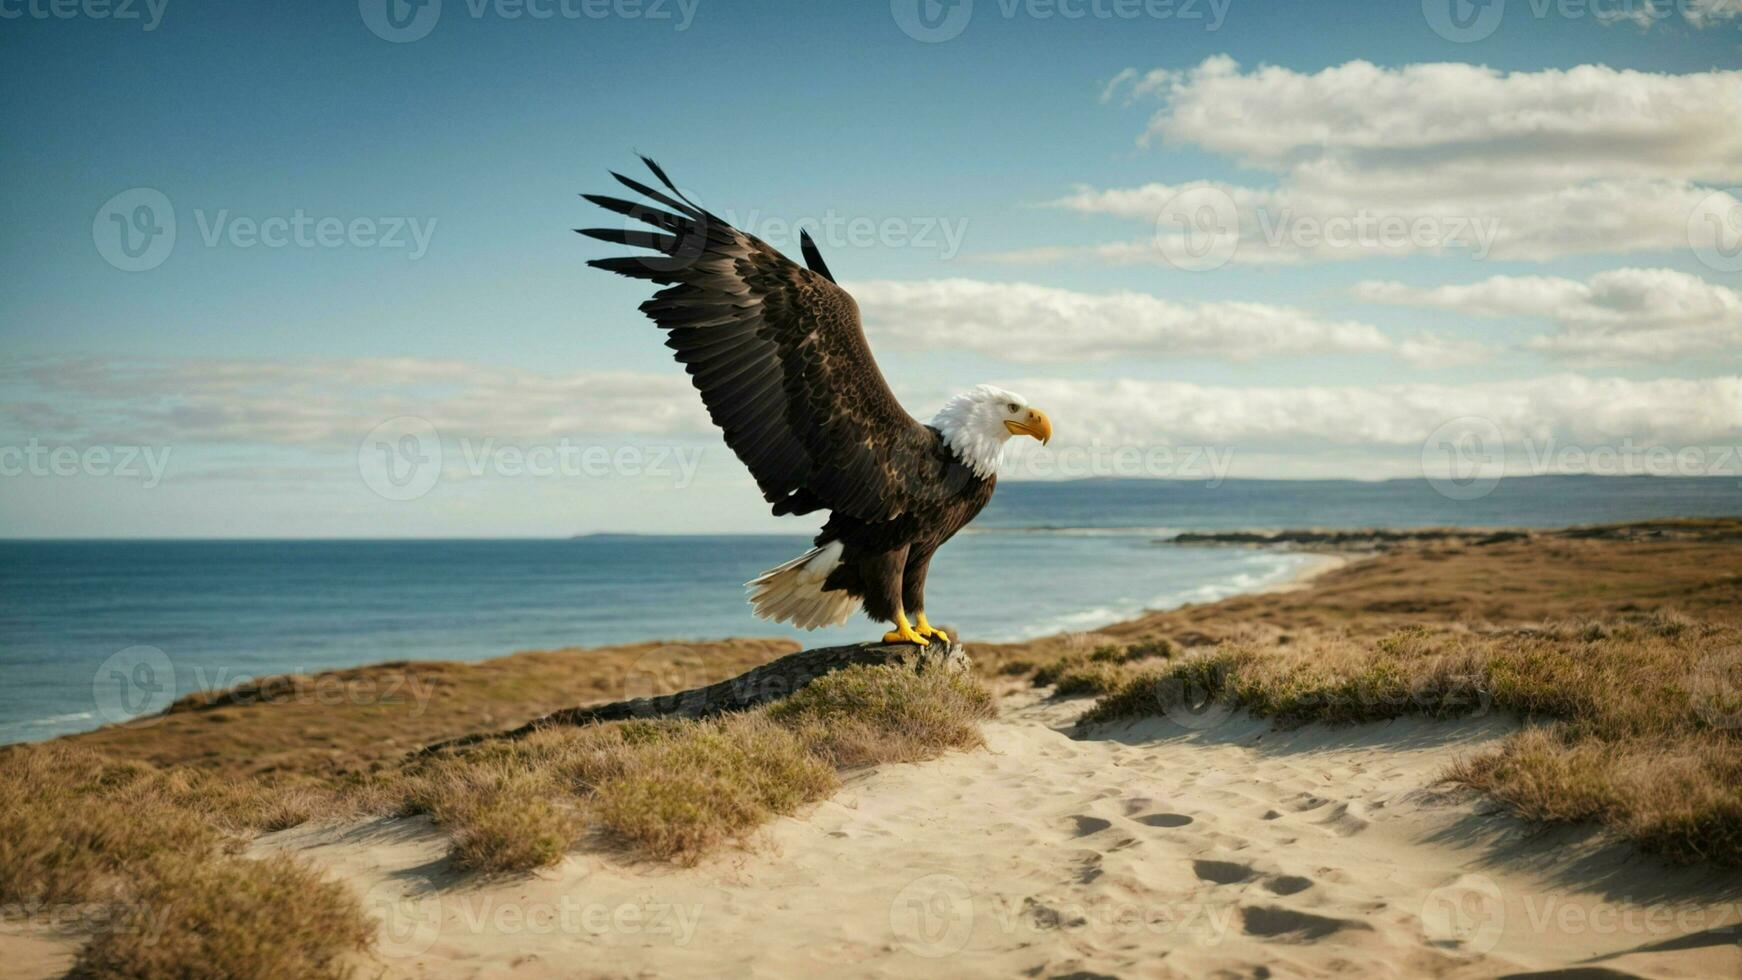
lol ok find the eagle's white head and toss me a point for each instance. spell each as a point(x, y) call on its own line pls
point(977, 423)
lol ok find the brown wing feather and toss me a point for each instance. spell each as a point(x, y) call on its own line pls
point(780, 358)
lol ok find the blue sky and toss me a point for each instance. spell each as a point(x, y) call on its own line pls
point(258, 370)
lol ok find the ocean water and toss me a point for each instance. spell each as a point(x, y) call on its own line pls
point(82, 620)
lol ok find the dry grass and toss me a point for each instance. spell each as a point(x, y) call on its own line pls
point(709, 782)
point(678, 789)
point(1641, 716)
point(159, 849)
point(862, 716)
point(349, 722)
point(1101, 670)
point(147, 856)
point(1563, 576)
point(194, 917)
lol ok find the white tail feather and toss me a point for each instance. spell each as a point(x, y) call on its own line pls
point(793, 592)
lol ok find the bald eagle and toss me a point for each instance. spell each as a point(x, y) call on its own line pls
point(780, 358)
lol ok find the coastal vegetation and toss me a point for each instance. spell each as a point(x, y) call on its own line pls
point(149, 860)
point(1619, 650)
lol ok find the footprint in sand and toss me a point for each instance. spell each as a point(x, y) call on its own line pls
point(1087, 825)
point(1288, 925)
point(1222, 872)
point(1164, 820)
point(1287, 884)
point(1346, 819)
point(1089, 870)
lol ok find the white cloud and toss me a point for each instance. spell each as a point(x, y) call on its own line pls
point(1291, 224)
point(1711, 13)
point(1023, 322)
point(1383, 430)
point(265, 423)
point(1549, 163)
point(1551, 127)
point(327, 404)
point(1654, 314)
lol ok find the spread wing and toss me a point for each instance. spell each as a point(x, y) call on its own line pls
point(779, 356)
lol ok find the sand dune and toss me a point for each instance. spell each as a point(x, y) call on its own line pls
point(1221, 847)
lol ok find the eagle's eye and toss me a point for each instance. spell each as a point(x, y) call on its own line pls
point(1012, 407)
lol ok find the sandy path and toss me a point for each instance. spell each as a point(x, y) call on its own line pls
point(1232, 850)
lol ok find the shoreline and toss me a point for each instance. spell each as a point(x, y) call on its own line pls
point(1319, 563)
point(1088, 613)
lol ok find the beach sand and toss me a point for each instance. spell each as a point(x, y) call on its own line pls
point(1218, 847)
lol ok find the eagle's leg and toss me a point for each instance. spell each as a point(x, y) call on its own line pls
point(927, 630)
point(913, 590)
point(903, 632)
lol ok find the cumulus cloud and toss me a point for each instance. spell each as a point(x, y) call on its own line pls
point(1023, 322)
point(1621, 314)
point(1436, 157)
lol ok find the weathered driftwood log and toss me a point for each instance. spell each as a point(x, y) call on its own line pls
point(770, 682)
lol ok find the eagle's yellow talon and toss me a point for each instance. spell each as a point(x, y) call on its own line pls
point(929, 631)
point(903, 633)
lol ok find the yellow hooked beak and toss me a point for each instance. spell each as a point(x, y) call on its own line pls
point(1036, 425)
